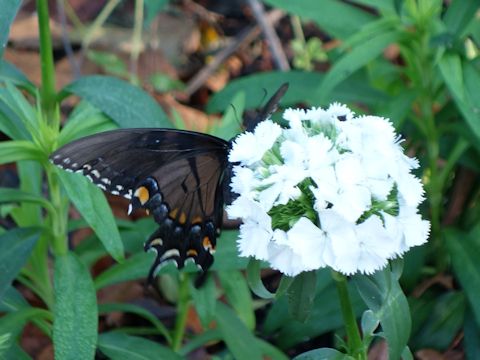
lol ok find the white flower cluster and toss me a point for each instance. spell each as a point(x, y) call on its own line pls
point(331, 189)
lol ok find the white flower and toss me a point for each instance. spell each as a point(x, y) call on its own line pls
point(331, 189)
point(299, 249)
point(250, 147)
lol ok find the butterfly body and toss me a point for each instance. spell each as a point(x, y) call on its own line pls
point(178, 176)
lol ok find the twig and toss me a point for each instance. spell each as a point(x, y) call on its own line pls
point(136, 40)
point(67, 45)
point(270, 35)
point(245, 37)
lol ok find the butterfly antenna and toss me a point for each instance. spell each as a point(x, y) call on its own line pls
point(239, 123)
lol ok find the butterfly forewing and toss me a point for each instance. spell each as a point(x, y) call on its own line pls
point(176, 175)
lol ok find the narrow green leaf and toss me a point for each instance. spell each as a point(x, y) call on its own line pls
point(464, 250)
point(304, 87)
point(205, 300)
point(9, 10)
point(459, 14)
point(462, 81)
point(240, 341)
point(383, 295)
point(355, 59)
point(238, 295)
point(76, 319)
point(15, 248)
point(91, 203)
point(11, 124)
point(451, 69)
point(8, 195)
point(21, 107)
point(226, 253)
point(124, 103)
point(84, 120)
point(443, 323)
point(327, 15)
point(231, 123)
point(255, 281)
point(119, 346)
point(16, 150)
point(323, 354)
point(138, 310)
point(14, 322)
point(12, 300)
point(9, 72)
point(134, 267)
point(386, 6)
point(301, 294)
point(471, 332)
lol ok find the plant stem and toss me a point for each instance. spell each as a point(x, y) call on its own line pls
point(47, 92)
point(58, 220)
point(354, 340)
point(182, 312)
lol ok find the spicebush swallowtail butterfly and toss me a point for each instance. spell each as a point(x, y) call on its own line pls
point(177, 176)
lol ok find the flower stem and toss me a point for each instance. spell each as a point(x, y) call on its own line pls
point(48, 94)
point(354, 340)
point(182, 312)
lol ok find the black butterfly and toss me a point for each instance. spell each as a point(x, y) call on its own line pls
point(178, 176)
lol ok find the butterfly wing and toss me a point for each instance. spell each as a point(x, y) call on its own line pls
point(176, 175)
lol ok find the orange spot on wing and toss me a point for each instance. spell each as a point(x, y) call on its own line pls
point(196, 220)
point(192, 252)
point(207, 245)
point(142, 194)
point(182, 218)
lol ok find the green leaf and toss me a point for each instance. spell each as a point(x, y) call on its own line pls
point(471, 340)
point(9, 10)
point(464, 250)
point(226, 253)
point(16, 150)
point(205, 300)
point(444, 321)
point(10, 123)
point(15, 100)
point(463, 82)
point(12, 300)
point(85, 120)
point(383, 295)
point(238, 296)
point(138, 310)
point(230, 125)
point(355, 59)
point(322, 354)
point(92, 205)
point(124, 103)
point(15, 248)
point(338, 19)
point(76, 319)
point(9, 72)
point(254, 280)
point(8, 195)
point(459, 14)
point(119, 346)
point(304, 87)
point(387, 6)
point(14, 322)
point(301, 294)
point(134, 267)
point(240, 341)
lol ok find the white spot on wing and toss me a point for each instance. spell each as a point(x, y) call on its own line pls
point(170, 253)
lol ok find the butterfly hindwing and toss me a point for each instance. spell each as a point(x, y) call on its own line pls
point(176, 175)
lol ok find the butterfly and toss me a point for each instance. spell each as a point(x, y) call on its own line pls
point(178, 176)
